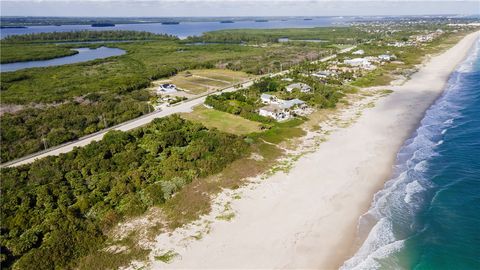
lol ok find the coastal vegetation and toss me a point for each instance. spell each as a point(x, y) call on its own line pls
point(342, 35)
point(58, 209)
point(35, 129)
point(246, 102)
point(85, 35)
point(63, 91)
point(29, 52)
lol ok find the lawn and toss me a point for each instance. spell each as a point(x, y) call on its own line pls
point(223, 121)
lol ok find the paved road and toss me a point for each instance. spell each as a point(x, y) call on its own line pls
point(129, 125)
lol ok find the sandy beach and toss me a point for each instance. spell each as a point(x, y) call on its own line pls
point(307, 219)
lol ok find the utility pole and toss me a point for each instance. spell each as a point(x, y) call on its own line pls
point(44, 142)
point(104, 121)
point(102, 117)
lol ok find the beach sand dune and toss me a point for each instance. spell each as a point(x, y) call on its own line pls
point(307, 219)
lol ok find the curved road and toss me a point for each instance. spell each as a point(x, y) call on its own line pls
point(129, 125)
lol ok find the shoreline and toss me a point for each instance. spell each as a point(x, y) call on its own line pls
point(308, 218)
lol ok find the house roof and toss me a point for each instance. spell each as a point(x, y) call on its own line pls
point(298, 85)
point(290, 103)
point(267, 96)
point(272, 108)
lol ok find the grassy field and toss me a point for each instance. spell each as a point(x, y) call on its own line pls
point(223, 121)
point(199, 81)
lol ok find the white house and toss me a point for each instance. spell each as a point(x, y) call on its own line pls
point(283, 110)
point(304, 88)
point(268, 99)
point(359, 52)
point(274, 111)
point(167, 88)
point(359, 62)
point(386, 57)
point(323, 74)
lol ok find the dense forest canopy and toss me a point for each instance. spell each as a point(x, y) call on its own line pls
point(343, 35)
point(57, 209)
point(14, 52)
point(34, 129)
point(85, 35)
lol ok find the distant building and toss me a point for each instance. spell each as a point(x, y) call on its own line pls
point(167, 88)
point(323, 74)
point(359, 52)
point(386, 57)
point(359, 62)
point(304, 88)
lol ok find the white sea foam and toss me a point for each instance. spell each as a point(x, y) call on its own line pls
point(411, 189)
point(401, 198)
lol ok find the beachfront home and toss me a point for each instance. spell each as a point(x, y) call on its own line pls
point(167, 88)
point(288, 104)
point(283, 109)
point(359, 52)
point(304, 88)
point(268, 99)
point(274, 111)
point(359, 62)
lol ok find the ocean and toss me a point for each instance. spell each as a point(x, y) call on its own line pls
point(427, 216)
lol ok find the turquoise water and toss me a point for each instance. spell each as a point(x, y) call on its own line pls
point(83, 55)
point(428, 215)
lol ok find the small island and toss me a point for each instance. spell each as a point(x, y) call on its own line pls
point(103, 25)
point(226, 21)
point(170, 23)
point(11, 27)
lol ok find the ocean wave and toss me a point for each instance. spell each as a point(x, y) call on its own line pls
point(402, 196)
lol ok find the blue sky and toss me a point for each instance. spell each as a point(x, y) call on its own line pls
point(178, 8)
